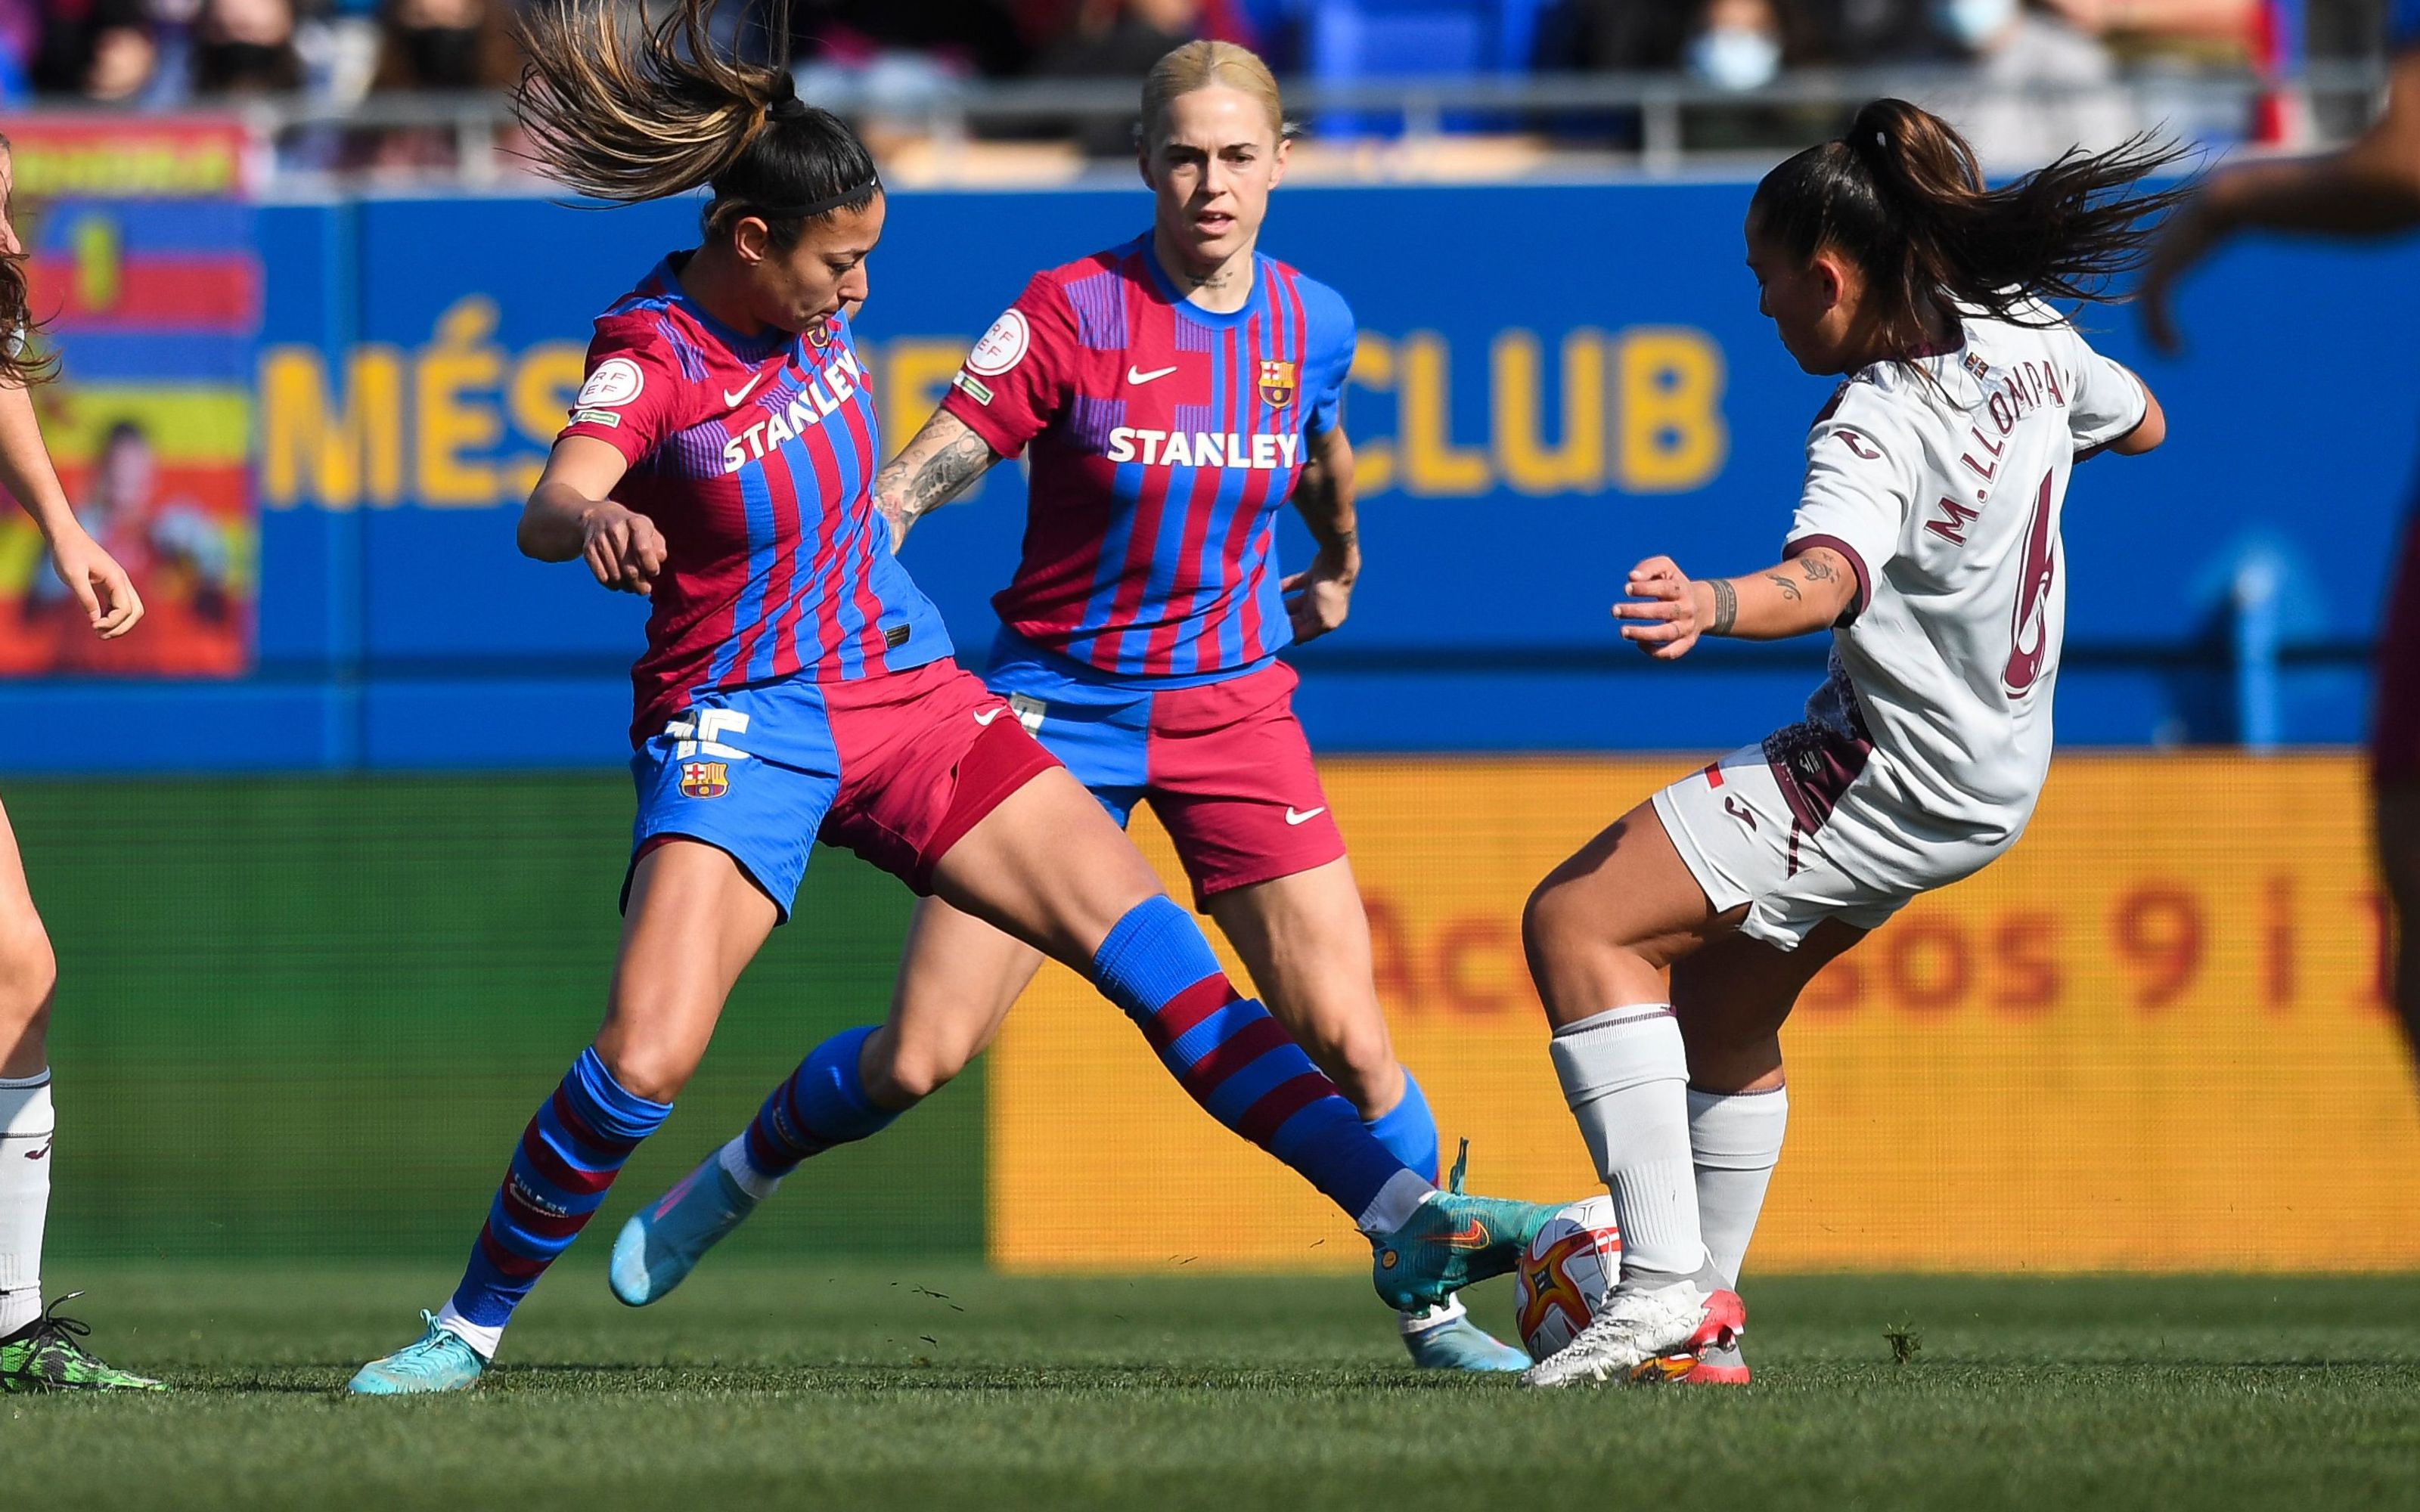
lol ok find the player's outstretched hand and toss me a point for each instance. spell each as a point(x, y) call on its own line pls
point(2184, 241)
point(1663, 621)
point(99, 584)
point(1317, 598)
point(623, 548)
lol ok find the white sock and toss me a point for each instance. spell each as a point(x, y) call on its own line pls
point(1625, 1075)
point(1735, 1139)
point(25, 1125)
point(1395, 1203)
point(1437, 1317)
point(733, 1157)
point(484, 1338)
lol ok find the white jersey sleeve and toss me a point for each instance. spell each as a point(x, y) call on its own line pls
point(1862, 472)
point(2108, 402)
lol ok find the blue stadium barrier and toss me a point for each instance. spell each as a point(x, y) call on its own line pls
point(1554, 383)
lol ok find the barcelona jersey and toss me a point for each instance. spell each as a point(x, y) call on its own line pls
point(1165, 438)
point(755, 455)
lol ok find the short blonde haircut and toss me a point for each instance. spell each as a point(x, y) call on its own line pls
point(1200, 66)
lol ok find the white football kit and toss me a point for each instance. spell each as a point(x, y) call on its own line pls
point(1922, 754)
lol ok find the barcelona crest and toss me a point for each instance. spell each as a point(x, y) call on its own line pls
point(704, 779)
point(1276, 384)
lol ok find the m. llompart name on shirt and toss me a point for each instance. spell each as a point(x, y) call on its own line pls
point(827, 391)
point(1203, 448)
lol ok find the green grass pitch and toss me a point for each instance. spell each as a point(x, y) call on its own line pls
point(939, 1387)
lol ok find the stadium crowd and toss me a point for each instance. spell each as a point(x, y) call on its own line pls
point(2041, 73)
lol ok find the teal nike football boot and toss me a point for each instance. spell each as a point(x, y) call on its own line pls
point(440, 1362)
point(664, 1240)
point(1451, 1240)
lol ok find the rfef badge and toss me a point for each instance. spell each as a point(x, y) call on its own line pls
point(1276, 384)
point(704, 779)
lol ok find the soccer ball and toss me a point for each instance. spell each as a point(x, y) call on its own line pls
point(1566, 1275)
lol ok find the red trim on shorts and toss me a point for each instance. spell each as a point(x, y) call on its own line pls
point(663, 837)
point(1001, 759)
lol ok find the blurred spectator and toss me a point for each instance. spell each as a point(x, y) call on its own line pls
point(125, 55)
point(445, 44)
point(958, 36)
point(103, 51)
point(246, 47)
point(1118, 40)
point(1121, 40)
point(1742, 44)
point(1865, 33)
point(2038, 85)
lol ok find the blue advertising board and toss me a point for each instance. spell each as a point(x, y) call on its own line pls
point(1552, 383)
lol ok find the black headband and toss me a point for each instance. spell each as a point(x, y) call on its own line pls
point(823, 206)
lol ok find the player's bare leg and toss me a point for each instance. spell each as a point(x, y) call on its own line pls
point(1731, 998)
point(692, 923)
point(958, 977)
point(2397, 820)
point(1600, 933)
point(38, 1350)
point(1304, 939)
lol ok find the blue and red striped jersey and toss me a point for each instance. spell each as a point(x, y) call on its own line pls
point(1165, 438)
point(755, 455)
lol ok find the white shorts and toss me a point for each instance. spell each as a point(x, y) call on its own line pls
point(1737, 835)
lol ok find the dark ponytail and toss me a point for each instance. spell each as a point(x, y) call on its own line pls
point(1903, 197)
point(23, 364)
point(630, 115)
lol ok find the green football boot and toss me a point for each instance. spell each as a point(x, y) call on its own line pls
point(48, 1354)
point(1451, 1240)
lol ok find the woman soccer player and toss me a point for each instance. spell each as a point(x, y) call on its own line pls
point(2370, 188)
point(1927, 541)
point(1176, 392)
point(39, 1351)
point(797, 686)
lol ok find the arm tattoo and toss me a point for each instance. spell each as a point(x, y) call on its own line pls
point(1789, 589)
point(1726, 606)
point(920, 480)
point(1817, 569)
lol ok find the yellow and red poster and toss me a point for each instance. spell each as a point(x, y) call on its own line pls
point(2152, 1037)
point(153, 306)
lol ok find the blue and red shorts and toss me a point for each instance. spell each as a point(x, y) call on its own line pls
point(897, 768)
point(1225, 764)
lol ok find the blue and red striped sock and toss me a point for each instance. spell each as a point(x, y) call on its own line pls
point(568, 1157)
point(822, 1104)
point(1242, 1066)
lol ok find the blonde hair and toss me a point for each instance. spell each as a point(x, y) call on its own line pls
point(1200, 66)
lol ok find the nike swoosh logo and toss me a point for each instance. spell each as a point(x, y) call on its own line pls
point(986, 718)
point(1295, 816)
point(1471, 1237)
point(37, 1154)
point(1136, 375)
point(732, 398)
